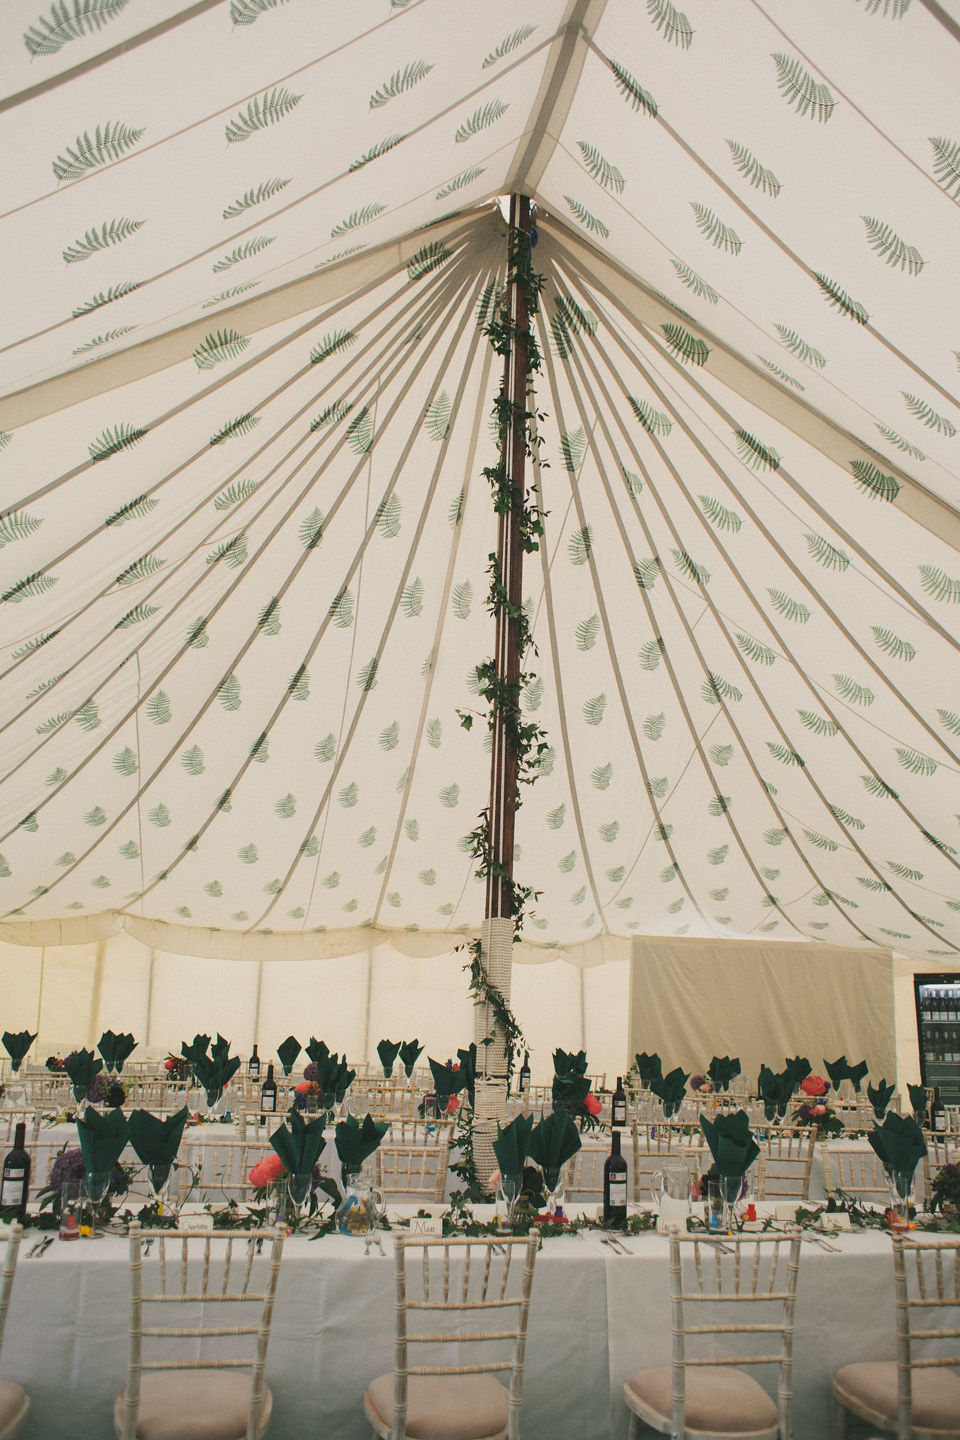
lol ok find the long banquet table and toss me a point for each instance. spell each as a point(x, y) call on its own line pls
point(595, 1318)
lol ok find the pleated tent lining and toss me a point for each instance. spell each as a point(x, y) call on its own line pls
point(244, 555)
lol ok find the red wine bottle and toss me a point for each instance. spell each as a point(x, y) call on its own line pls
point(268, 1095)
point(618, 1116)
point(253, 1065)
point(15, 1182)
point(615, 1183)
point(524, 1081)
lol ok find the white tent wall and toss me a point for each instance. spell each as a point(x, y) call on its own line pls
point(691, 999)
point(70, 994)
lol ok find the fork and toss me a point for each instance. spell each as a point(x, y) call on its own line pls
point(616, 1246)
point(146, 1247)
point(44, 1247)
point(35, 1247)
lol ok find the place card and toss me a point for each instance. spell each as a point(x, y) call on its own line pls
point(426, 1225)
point(195, 1224)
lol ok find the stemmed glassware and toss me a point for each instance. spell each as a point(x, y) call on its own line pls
point(509, 1192)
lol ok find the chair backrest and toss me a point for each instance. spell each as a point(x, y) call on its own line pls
point(941, 1150)
point(422, 1132)
point(854, 1170)
point(761, 1276)
point(8, 1272)
point(481, 1289)
point(218, 1171)
point(185, 1271)
point(386, 1100)
point(584, 1173)
point(927, 1279)
point(10, 1119)
point(785, 1167)
point(417, 1170)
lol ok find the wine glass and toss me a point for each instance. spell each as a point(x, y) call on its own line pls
point(98, 1183)
point(159, 1173)
point(299, 1184)
point(901, 1194)
point(509, 1191)
point(555, 1181)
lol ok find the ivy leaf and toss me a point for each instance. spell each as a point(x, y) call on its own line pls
point(400, 81)
point(266, 109)
point(801, 90)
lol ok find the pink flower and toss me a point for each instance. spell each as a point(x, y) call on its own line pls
point(818, 1109)
point(303, 1088)
point(814, 1085)
point(266, 1171)
point(593, 1105)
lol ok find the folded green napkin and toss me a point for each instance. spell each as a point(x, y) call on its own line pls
point(445, 1082)
point(410, 1052)
point(299, 1143)
point(570, 1089)
point(775, 1091)
point(220, 1048)
point(81, 1066)
point(918, 1099)
point(388, 1050)
point(115, 1049)
point(190, 1050)
point(287, 1052)
point(554, 1141)
point(215, 1073)
point(102, 1138)
point(732, 1146)
point(837, 1070)
point(880, 1096)
point(468, 1070)
point(649, 1068)
point(798, 1068)
point(16, 1044)
point(355, 1141)
point(155, 1140)
point(900, 1145)
point(723, 1069)
point(569, 1063)
point(671, 1089)
point(317, 1049)
point(342, 1079)
point(857, 1073)
point(512, 1144)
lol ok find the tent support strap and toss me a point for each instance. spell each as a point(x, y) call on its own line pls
point(497, 934)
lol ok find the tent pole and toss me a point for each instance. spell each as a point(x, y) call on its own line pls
point(497, 933)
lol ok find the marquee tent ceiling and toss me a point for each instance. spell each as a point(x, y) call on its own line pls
point(244, 400)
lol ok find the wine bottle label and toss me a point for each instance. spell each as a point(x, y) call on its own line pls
point(268, 1102)
point(619, 1112)
point(12, 1187)
point(939, 1122)
point(618, 1192)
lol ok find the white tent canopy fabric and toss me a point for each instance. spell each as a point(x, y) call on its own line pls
point(245, 407)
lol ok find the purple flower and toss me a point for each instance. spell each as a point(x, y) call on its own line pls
point(97, 1089)
point(310, 1072)
point(68, 1165)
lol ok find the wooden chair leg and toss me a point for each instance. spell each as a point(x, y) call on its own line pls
point(636, 1426)
point(843, 1420)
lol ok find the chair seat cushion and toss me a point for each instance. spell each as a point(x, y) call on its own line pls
point(873, 1383)
point(13, 1404)
point(719, 1399)
point(443, 1407)
point(192, 1405)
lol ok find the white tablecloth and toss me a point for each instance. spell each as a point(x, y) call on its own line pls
point(595, 1318)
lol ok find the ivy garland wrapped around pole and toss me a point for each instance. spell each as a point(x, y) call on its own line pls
point(516, 745)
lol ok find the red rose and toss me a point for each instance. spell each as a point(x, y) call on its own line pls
point(594, 1106)
point(169, 1064)
point(453, 1105)
point(814, 1085)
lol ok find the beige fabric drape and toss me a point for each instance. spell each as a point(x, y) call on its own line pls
point(761, 1002)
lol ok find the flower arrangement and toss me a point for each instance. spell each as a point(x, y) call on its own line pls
point(178, 1067)
point(68, 1166)
point(945, 1190)
point(306, 1095)
point(814, 1085)
point(269, 1180)
point(702, 1084)
point(822, 1117)
point(54, 1063)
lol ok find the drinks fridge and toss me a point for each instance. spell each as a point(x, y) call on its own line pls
point(938, 1028)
